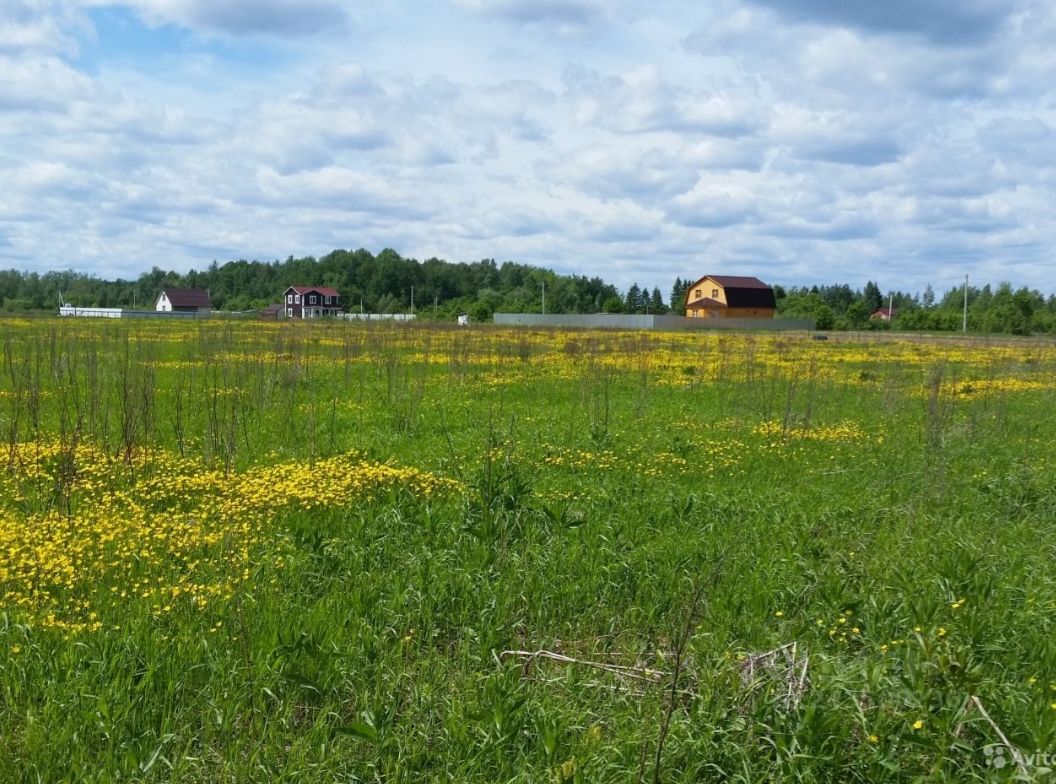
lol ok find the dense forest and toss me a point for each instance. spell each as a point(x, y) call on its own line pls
point(382, 283)
point(388, 282)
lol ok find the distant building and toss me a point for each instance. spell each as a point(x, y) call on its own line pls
point(728, 296)
point(184, 301)
point(272, 312)
point(884, 314)
point(311, 302)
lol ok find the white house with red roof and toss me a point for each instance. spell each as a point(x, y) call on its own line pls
point(311, 302)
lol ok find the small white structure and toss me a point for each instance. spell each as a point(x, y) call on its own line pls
point(73, 310)
point(183, 301)
point(379, 316)
point(463, 319)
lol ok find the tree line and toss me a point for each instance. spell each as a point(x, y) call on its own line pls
point(1000, 309)
point(388, 282)
point(382, 283)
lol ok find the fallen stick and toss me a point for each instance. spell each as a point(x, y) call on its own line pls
point(1012, 749)
point(638, 673)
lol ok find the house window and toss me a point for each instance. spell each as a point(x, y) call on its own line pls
point(326, 299)
point(311, 300)
point(297, 299)
point(289, 299)
point(697, 293)
point(714, 293)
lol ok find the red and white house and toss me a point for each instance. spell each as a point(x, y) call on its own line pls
point(311, 302)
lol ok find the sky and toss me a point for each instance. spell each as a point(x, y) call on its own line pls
point(910, 142)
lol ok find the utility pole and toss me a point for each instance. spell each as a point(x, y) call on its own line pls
point(544, 297)
point(964, 326)
point(412, 299)
point(890, 306)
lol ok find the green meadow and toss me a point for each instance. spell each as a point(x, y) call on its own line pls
point(247, 551)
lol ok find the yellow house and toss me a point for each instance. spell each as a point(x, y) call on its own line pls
point(729, 296)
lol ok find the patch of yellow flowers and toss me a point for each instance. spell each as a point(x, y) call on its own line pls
point(842, 432)
point(81, 531)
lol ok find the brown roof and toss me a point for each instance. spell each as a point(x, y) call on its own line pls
point(737, 281)
point(705, 302)
point(188, 298)
point(326, 291)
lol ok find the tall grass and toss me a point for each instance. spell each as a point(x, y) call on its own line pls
point(672, 505)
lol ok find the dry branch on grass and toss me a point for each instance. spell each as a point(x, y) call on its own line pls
point(783, 666)
point(635, 673)
point(976, 703)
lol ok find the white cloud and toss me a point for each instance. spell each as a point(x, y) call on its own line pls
point(634, 142)
point(642, 100)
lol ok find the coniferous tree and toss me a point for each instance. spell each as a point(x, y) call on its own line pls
point(872, 296)
point(928, 298)
point(677, 292)
point(678, 296)
point(656, 302)
point(633, 301)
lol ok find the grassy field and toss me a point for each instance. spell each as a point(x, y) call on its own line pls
point(328, 552)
